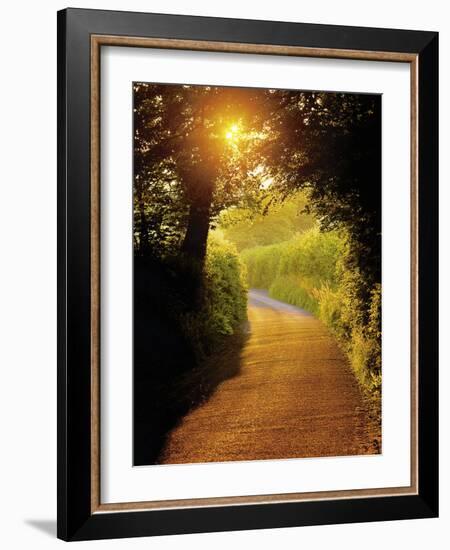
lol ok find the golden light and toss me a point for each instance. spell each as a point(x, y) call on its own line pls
point(233, 132)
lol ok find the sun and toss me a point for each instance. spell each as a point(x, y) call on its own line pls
point(233, 132)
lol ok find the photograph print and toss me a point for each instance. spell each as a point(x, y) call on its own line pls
point(257, 274)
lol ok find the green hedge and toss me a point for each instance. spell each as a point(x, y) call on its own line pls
point(224, 297)
point(311, 271)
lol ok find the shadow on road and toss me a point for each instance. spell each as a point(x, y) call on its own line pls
point(168, 381)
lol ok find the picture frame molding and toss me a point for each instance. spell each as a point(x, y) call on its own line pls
point(81, 34)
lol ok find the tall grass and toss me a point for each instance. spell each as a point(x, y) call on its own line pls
point(312, 271)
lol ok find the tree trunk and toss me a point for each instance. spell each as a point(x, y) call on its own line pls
point(195, 240)
point(193, 249)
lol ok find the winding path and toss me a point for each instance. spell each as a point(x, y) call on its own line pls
point(294, 396)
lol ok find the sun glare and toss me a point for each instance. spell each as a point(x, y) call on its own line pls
point(233, 132)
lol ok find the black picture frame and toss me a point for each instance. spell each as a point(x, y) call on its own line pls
point(76, 520)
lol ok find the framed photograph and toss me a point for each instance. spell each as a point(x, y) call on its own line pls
point(247, 254)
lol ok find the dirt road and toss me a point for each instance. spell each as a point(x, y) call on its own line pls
point(294, 396)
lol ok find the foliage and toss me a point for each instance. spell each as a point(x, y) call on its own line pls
point(186, 170)
point(262, 264)
point(311, 256)
point(224, 300)
point(207, 156)
point(273, 222)
point(330, 145)
point(313, 271)
point(291, 290)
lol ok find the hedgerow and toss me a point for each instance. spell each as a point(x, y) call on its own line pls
point(313, 270)
point(223, 303)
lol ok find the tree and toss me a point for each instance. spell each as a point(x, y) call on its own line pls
point(188, 167)
point(202, 149)
point(330, 145)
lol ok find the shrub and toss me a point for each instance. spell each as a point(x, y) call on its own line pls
point(224, 298)
point(295, 291)
point(262, 264)
point(225, 286)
